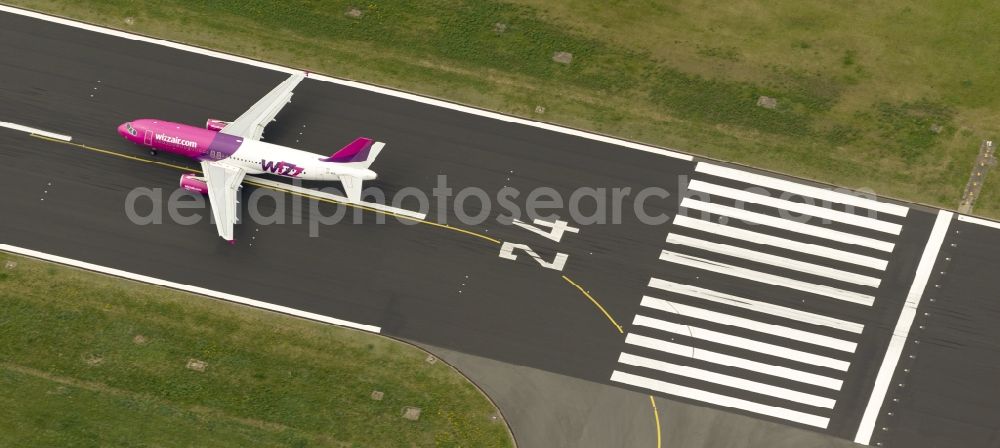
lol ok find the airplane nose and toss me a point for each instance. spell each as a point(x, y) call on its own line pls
point(121, 130)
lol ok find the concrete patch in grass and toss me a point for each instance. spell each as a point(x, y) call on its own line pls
point(562, 57)
point(197, 365)
point(411, 413)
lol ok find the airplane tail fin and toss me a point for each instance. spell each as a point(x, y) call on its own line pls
point(361, 153)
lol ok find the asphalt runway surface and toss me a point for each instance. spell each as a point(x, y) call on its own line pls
point(785, 321)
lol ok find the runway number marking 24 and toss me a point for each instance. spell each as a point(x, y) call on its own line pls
point(507, 252)
point(557, 229)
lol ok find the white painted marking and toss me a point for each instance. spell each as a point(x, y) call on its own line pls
point(796, 207)
point(749, 274)
point(333, 197)
point(774, 260)
point(774, 241)
point(354, 84)
point(786, 224)
point(557, 228)
point(188, 288)
point(756, 305)
point(749, 324)
point(719, 400)
point(980, 221)
point(732, 361)
point(902, 330)
point(22, 128)
point(801, 189)
point(727, 380)
point(557, 263)
point(741, 342)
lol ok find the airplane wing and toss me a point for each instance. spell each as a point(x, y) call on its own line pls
point(251, 124)
point(223, 192)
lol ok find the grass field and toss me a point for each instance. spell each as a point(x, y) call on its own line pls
point(91, 360)
point(860, 85)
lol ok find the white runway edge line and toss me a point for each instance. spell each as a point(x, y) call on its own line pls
point(732, 361)
point(902, 330)
point(784, 243)
point(719, 400)
point(801, 189)
point(769, 279)
point(354, 84)
point(980, 221)
point(749, 324)
point(18, 127)
point(786, 224)
point(795, 207)
point(774, 260)
point(741, 343)
point(756, 305)
point(321, 194)
point(187, 288)
point(727, 380)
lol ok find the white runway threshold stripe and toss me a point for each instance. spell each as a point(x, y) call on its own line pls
point(333, 197)
point(796, 207)
point(769, 279)
point(353, 84)
point(732, 361)
point(749, 324)
point(980, 221)
point(187, 288)
point(902, 331)
point(787, 224)
point(784, 243)
point(727, 380)
point(822, 194)
point(774, 260)
point(719, 400)
point(22, 128)
point(756, 306)
point(741, 343)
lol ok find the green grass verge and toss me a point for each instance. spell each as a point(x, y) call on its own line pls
point(72, 373)
point(859, 85)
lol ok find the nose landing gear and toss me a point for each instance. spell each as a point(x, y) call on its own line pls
point(152, 152)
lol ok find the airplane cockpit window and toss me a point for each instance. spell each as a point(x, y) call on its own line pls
point(130, 129)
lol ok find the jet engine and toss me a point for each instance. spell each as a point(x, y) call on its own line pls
point(215, 125)
point(192, 182)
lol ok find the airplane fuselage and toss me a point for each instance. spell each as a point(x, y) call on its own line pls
point(256, 157)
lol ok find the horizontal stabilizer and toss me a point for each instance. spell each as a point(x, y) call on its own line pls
point(352, 187)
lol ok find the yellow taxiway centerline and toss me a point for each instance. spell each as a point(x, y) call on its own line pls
point(656, 418)
point(595, 302)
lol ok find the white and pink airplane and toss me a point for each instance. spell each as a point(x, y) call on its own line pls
point(230, 150)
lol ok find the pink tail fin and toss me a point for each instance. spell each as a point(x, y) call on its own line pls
point(356, 151)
